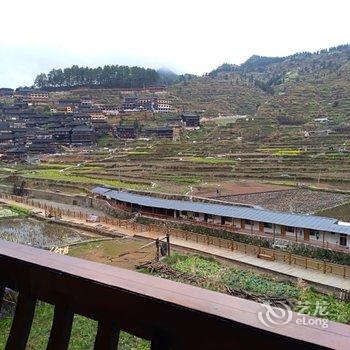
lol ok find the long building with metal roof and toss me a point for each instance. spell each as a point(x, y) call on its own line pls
point(244, 217)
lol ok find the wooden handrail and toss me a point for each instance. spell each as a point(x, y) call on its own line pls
point(169, 314)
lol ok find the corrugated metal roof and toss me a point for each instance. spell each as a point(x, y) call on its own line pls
point(101, 190)
point(233, 211)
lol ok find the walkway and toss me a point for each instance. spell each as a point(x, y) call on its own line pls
point(274, 266)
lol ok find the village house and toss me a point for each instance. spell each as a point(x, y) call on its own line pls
point(86, 101)
point(97, 115)
point(130, 104)
point(159, 133)
point(15, 154)
point(32, 96)
point(61, 135)
point(162, 105)
point(101, 127)
point(145, 104)
point(126, 132)
point(82, 118)
point(190, 120)
point(83, 135)
point(62, 109)
point(68, 102)
point(41, 145)
point(110, 109)
point(6, 140)
point(307, 229)
point(20, 135)
point(6, 92)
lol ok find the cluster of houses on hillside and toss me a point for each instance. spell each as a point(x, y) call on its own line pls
point(25, 132)
point(155, 104)
point(30, 125)
point(35, 97)
point(171, 130)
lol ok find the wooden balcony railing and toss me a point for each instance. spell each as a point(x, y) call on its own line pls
point(169, 314)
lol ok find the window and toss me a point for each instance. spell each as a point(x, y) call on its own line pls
point(343, 239)
point(249, 222)
point(267, 225)
point(289, 228)
point(315, 233)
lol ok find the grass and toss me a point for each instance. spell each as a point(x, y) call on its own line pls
point(19, 211)
point(82, 337)
point(209, 160)
point(56, 175)
point(6, 212)
point(286, 152)
point(281, 152)
point(138, 153)
point(106, 141)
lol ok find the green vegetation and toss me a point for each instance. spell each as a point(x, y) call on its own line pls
point(209, 160)
point(107, 76)
point(82, 337)
point(217, 273)
point(6, 212)
point(19, 211)
point(281, 152)
point(321, 254)
point(336, 310)
point(138, 153)
point(259, 284)
point(106, 141)
point(232, 277)
point(56, 175)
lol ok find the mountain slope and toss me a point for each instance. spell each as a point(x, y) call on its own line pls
point(300, 86)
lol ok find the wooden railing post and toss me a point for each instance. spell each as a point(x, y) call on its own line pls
point(22, 322)
point(2, 293)
point(61, 328)
point(107, 336)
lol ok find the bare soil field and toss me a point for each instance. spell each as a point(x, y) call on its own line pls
point(341, 212)
point(123, 252)
point(223, 189)
point(293, 200)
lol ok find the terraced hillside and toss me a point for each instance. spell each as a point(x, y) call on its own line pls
point(294, 88)
point(247, 149)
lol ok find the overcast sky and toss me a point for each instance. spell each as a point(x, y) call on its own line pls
point(184, 35)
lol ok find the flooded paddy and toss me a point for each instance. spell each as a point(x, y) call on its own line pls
point(39, 233)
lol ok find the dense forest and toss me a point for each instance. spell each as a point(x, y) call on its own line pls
point(108, 76)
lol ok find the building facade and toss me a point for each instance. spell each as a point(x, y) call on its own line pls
point(310, 229)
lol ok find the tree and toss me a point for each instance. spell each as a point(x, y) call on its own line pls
point(107, 76)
